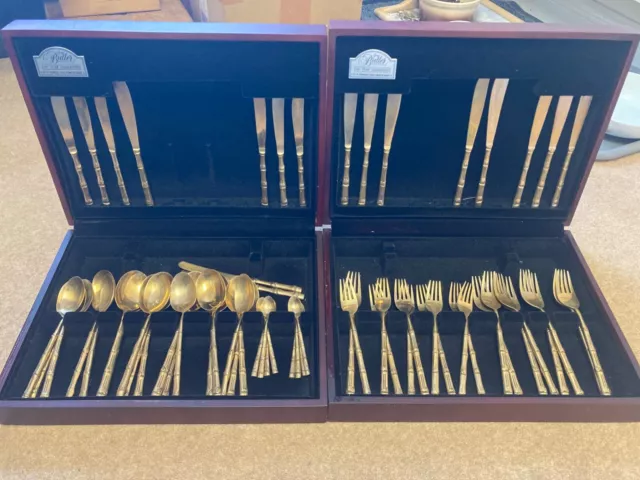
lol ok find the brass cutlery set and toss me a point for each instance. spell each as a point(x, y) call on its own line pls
point(277, 110)
point(195, 287)
point(489, 293)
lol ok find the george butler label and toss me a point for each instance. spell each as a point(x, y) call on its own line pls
point(60, 62)
point(373, 65)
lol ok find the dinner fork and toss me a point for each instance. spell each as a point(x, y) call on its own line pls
point(461, 300)
point(565, 295)
point(430, 298)
point(530, 291)
point(404, 300)
point(349, 302)
point(506, 294)
point(380, 300)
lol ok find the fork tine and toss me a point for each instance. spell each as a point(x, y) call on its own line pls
point(535, 283)
point(411, 295)
point(371, 297)
point(359, 290)
point(348, 277)
point(563, 281)
point(512, 291)
point(395, 290)
point(569, 282)
point(452, 302)
point(341, 291)
point(522, 280)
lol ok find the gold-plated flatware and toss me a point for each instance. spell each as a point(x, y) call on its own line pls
point(477, 109)
point(210, 291)
point(530, 292)
point(391, 117)
point(125, 103)
point(566, 296)
point(430, 299)
point(350, 299)
point(128, 296)
point(265, 362)
point(263, 285)
point(260, 112)
point(297, 113)
point(62, 117)
point(562, 112)
point(369, 114)
point(299, 363)
point(85, 122)
point(498, 92)
point(380, 301)
point(105, 122)
point(138, 390)
point(156, 291)
point(578, 124)
point(544, 102)
point(277, 107)
point(350, 105)
point(240, 297)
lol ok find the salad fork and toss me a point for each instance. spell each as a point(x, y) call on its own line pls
point(461, 300)
point(380, 300)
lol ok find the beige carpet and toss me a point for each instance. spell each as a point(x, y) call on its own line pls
point(32, 225)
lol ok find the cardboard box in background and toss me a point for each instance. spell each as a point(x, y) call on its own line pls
point(275, 11)
point(83, 8)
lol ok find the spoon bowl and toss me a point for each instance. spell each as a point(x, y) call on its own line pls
point(241, 294)
point(266, 305)
point(194, 276)
point(182, 292)
point(71, 296)
point(156, 291)
point(210, 290)
point(88, 295)
point(128, 293)
point(295, 306)
point(103, 287)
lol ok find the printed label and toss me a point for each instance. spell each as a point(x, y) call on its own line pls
point(373, 65)
point(60, 62)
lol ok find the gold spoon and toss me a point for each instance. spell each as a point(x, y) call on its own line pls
point(102, 290)
point(70, 299)
point(299, 354)
point(265, 358)
point(156, 290)
point(210, 292)
point(182, 298)
point(240, 297)
point(128, 295)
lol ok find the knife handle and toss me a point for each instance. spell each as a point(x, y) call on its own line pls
point(563, 175)
point(303, 200)
point(523, 179)
point(344, 199)
point(483, 177)
point(83, 183)
point(264, 201)
point(148, 199)
point(283, 183)
point(463, 176)
point(99, 177)
point(362, 199)
point(383, 178)
point(543, 179)
point(123, 188)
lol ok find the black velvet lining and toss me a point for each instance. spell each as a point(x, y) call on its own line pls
point(290, 261)
point(437, 77)
point(456, 259)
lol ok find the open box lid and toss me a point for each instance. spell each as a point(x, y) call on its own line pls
point(193, 88)
point(436, 67)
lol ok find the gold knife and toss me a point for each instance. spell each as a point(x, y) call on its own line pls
point(297, 112)
point(105, 121)
point(477, 109)
point(369, 113)
point(128, 115)
point(260, 111)
point(350, 104)
point(62, 117)
point(498, 93)
point(562, 111)
point(391, 117)
point(277, 107)
point(538, 122)
point(85, 122)
point(578, 124)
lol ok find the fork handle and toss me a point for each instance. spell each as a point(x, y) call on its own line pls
point(562, 383)
point(474, 365)
point(363, 371)
point(542, 390)
point(422, 381)
point(541, 363)
point(504, 368)
point(565, 363)
point(601, 379)
point(435, 366)
point(465, 359)
point(384, 356)
point(411, 384)
point(397, 386)
point(448, 381)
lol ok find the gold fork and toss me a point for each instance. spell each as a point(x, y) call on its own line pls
point(565, 295)
point(380, 300)
point(350, 298)
point(461, 300)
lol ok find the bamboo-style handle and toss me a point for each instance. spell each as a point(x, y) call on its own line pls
point(34, 381)
point(344, 198)
point(601, 379)
point(541, 363)
point(103, 389)
point(384, 357)
point(411, 383)
point(71, 390)
point(504, 365)
point(417, 360)
point(272, 354)
point(48, 381)
point(209, 390)
point(303, 352)
point(463, 176)
point(231, 390)
point(100, 179)
point(298, 352)
point(167, 382)
point(165, 369)
point(264, 369)
point(462, 390)
point(139, 390)
point(244, 389)
point(127, 376)
point(543, 179)
point(178, 366)
point(361, 366)
point(283, 183)
point(565, 362)
point(294, 354)
point(517, 390)
point(475, 367)
point(351, 370)
point(448, 381)
point(83, 182)
point(397, 386)
point(435, 365)
point(121, 185)
point(542, 390)
point(362, 199)
point(383, 177)
point(41, 375)
point(148, 199)
point(86, 376)
point(562, 383)
point(303, 199)
point(523, 178)
point(259, 358)
point(483, 177)
point(264, 200)
point(563, 176)
point(230, 358)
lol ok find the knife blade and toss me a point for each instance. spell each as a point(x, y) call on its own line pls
point(369, 114)
point(277, 106)
point(297, 114)
point(260, 113)
point(350, 105)
point(391, 117)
